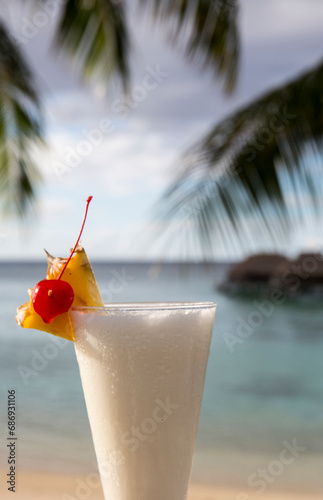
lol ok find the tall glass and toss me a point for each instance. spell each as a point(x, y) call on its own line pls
point(143, 368)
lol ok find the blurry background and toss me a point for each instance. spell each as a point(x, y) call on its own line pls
point(250, 181)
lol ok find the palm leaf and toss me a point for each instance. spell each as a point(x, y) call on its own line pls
point(20, 127)
point(207, 29)
point(237, 180)
point(94, 33)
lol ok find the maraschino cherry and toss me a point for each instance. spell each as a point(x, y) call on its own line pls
point(53, 297)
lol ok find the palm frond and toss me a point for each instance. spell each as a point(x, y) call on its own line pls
point(237, 180)
point(207, 29)
point(20, 127)
point(94, 33)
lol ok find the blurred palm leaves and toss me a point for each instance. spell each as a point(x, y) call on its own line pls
point(245, 165)
point(94, 35)
point(209, 29)
point(20, 126)
point(234, 172)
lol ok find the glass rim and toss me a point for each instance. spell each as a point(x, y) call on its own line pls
point(145, 306)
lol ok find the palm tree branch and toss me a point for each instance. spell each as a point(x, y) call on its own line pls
point(95, 35)
point(20, 127)
point(249, 159)
point(209, 29)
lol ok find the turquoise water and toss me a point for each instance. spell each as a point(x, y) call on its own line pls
point(261, 391)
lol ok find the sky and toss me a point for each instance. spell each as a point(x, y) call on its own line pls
point(135, 146)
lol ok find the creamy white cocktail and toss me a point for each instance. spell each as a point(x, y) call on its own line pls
point(143, 368)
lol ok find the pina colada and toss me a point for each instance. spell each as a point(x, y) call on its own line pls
point(143, 368)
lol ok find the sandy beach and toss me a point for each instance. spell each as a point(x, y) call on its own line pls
point(36, 486)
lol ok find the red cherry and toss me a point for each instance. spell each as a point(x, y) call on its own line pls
point(51, 298)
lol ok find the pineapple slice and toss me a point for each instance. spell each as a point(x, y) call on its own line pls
point(79, 275)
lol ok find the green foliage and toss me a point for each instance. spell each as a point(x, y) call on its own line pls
point(94, 34)
point(240, 170)
point(20, 127)
point(208, 30)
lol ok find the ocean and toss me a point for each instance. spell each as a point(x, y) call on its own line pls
point(263, 396)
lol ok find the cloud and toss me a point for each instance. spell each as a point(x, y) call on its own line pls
point(262, 20)
point(121, 162)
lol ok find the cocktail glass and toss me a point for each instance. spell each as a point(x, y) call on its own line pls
point(143, 367)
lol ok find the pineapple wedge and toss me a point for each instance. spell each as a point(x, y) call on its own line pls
point(79, 275)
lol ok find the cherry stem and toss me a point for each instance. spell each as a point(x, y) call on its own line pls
point(78, 239)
